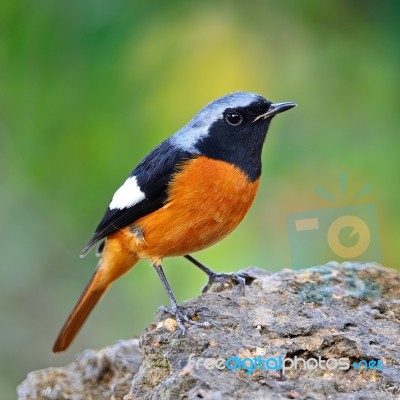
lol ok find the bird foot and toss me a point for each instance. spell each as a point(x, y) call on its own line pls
point(225, 278)
point(182, 315)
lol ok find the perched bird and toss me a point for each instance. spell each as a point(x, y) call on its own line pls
point(187, 194)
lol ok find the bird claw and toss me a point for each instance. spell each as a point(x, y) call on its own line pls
point(224, 278)
point(182, 315)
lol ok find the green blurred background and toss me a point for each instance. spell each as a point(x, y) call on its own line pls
point(88, 88)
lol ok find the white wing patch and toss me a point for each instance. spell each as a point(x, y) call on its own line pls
point(127, 195)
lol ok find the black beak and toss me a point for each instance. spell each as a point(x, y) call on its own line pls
point(276, 108)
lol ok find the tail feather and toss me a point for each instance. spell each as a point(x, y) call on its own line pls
point(116, 260)
point(89, 298)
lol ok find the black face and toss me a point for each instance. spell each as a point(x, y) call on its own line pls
point(242, 116)
point(237, 139)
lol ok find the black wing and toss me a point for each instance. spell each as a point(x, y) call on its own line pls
point(153, 175)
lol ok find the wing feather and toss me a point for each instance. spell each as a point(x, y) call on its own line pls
point(152, 175)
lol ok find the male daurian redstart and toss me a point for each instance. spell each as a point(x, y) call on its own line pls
point(187, 194)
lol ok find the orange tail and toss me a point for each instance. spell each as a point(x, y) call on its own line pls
point(89, 298)
point(109, 269)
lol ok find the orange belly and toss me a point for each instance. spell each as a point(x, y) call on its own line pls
point(206, 201)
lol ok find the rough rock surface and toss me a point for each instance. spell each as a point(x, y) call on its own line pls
point(337, 310)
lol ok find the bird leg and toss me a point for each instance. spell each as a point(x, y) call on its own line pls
point(215, 277)
point(180, 313)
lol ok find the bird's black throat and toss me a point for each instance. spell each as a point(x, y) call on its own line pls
point(240, 146)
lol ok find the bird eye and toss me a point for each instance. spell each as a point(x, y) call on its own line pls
point(233, 118)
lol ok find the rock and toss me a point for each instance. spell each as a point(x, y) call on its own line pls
point(319, 315)
point(102, 374)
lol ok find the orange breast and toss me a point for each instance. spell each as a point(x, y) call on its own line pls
point(207, 200)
